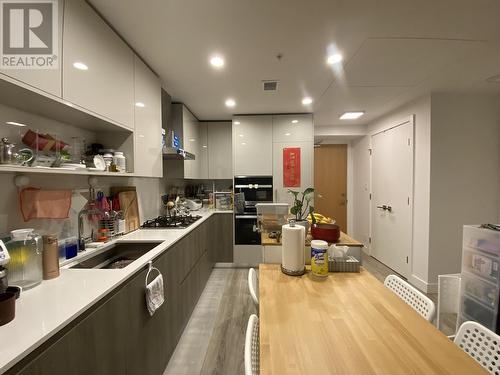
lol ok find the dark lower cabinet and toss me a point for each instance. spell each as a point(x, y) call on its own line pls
point(118, 336)
point(221, 238)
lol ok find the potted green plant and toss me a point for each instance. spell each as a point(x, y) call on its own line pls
point(302, 206)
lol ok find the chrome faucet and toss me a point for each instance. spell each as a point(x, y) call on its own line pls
point(81, 239)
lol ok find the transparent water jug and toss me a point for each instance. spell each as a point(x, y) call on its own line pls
point(25, 266)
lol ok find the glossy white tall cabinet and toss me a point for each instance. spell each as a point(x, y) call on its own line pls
point(252, 145)
point(147, 118)
point(46, 80)
point(292, 131)
point(107, 87)
point(220, 160)
point(194, 137)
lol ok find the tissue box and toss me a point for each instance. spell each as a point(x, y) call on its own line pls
point(348, 264)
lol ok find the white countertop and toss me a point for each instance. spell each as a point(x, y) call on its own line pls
point(47, 308)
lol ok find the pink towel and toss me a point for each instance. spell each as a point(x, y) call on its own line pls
point(44, 204)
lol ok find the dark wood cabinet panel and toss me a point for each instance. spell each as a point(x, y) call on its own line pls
point(221, 238)
point(119, 336)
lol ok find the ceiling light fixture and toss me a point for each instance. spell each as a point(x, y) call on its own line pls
point(334, 59)
point(140, 104)
point(217, 61)
point(287, 134)
point(243, 144)
point(307, 100)
point(80, 66)
point(351, 115)
point(241, 135)
point(230, 103)
point(15, 123)
point(295, 121)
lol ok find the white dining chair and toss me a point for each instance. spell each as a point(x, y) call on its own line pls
point(252, 346)
point(412, 296)
point(481, 344)
point(253, 286)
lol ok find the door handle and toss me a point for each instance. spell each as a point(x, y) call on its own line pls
point(385, 208)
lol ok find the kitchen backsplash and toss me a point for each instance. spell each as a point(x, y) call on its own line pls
point(149, 191)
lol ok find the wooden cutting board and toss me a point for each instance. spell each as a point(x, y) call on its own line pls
point(130, 209)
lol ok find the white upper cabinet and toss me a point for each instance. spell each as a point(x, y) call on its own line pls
point(203, 150)
point(293, 128)
point(252, 145)
point(147, 135)
point(220, 161)
point(106, 84)
point(191, 142)
point(46, 80)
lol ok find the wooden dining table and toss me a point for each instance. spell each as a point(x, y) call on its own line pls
point(347, 323)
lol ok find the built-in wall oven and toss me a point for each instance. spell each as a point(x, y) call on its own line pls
point(256, 189)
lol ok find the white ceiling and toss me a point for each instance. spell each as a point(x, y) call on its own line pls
point(394, 51)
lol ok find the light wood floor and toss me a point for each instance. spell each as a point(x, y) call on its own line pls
point(213, 340)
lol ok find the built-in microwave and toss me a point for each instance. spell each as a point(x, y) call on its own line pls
point(256, 189)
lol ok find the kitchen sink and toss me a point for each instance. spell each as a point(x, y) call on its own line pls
point(118, 256)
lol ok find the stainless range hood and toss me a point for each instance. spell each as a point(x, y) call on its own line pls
point(172, 153)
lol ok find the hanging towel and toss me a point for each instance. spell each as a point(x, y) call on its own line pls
point(44, 204)
point(154, 292)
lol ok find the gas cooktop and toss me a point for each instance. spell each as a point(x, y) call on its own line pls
point(171, 222)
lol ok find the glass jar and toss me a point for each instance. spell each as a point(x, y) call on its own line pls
point(25, 267)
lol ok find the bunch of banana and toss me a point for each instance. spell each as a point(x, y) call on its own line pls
point(320, 219)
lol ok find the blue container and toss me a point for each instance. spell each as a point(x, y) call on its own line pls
point(71, 248)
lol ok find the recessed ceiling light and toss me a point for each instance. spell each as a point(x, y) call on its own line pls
point(243, 143)
point(237, 123)
point(230, 103)
point(217, 61)
point(287, 134)
point(351, 115)
point(241, 135)
point(334, 59)
point(80, 66)
point(15, 123)
point(140, 104)
point(295, 121)
point(307, 100)
point(204, 146)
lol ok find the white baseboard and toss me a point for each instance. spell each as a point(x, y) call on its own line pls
point(423, 285)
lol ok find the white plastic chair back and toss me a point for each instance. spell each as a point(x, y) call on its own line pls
point(481, 344)
point(253, 286)
point(412, 296)
point(448, 297)
point(252, 346)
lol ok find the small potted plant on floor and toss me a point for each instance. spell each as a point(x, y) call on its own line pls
point(302, 206)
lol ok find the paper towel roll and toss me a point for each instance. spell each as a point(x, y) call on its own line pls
point(292, 254)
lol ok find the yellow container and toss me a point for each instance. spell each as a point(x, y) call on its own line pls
point(319, 258)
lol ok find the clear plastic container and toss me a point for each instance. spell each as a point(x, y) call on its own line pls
point(478, 312)
point(481, 264)
point(120, 161)
point(480, 289)
point(482, 239)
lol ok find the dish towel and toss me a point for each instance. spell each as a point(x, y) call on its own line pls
point(44, 204)
point(154, 292)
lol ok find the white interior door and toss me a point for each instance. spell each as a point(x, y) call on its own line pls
point(392, 193)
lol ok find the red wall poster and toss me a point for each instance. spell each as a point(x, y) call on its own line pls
point(291, 167)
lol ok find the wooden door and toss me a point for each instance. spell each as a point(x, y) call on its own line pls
point(330, 182)
point(392, 187)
